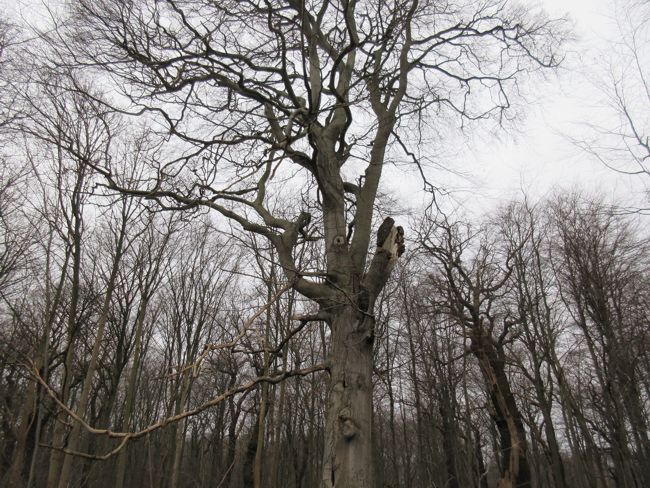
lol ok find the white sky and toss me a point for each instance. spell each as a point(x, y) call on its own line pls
point(539, 158)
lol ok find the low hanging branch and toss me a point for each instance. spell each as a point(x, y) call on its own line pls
point(126, 436)
point(196, 365)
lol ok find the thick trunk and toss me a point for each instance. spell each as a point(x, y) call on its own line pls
point(348, 453)
point(348, 461)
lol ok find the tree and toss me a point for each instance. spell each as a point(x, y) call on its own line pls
point(526, 234)
point(248, 94)
point(474, 272)
point(14, 231)
point(621, 141)
point(149, 261)
point(600, 268)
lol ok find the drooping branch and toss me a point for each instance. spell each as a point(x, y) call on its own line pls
point(126, 436)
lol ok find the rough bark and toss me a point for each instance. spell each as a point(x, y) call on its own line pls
point(348, 454)
point(348, 427)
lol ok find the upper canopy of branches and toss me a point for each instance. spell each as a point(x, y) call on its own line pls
point(244, 87)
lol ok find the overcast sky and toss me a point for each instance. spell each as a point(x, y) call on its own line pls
point(539, 156)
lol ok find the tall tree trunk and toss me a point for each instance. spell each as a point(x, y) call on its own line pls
point(481, 471)
point(275, 464)
point(27, 419)
point(58, 438)
point(348, 453)
point(179, 430)
point(129, 401)
point(73, 440)
point(249, 457)
point(421, 471)
point(234, 410)
point(448, 431)
point(52, 302)
point(348, 427)
point(258, 465)
point(552, 447)
point(147, 286)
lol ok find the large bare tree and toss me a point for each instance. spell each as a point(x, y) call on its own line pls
point(249, 95)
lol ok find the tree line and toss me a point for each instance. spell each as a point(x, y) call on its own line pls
point(516, 347)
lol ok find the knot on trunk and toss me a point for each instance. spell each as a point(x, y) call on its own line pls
point(349, 428)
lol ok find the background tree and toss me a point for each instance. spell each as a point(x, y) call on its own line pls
point(475, 286)
point(600, 265)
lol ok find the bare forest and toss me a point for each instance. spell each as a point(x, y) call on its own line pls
point(205, 280)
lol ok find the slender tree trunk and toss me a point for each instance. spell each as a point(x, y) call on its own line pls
point(27, 419)
point(631, 398)
point(481, 471)
point(58, 438)
point(258, 465)
point(553, 448)
point(276, 467)
point(147, 285)
point(420, 476)
point(179, 430)
point(51, 306)
point(129, 401)
point(395, 461)
point(231, 450)
point(249, 457)
point(75, 434)
point(449, 436)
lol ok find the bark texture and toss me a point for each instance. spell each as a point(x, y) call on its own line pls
point(348, 451)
